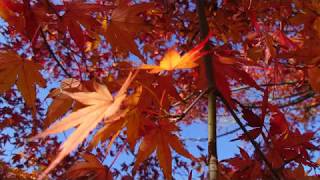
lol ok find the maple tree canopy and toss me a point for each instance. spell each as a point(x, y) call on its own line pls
point(103, 89)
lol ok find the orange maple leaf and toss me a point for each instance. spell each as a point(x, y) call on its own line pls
point(314, 78)
point(99, 105)
point(125, 25)
point(61, 103)
point(162, 139)
point(128, 118)
point(91, 166)
point(78, 15)
point(23, 72)
point(172, 60)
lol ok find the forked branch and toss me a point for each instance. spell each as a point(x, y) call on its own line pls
point(256, 146)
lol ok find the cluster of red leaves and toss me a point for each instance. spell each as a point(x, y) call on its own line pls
point(284, 150)
point(255, 46)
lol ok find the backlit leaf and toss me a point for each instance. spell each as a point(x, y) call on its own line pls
point(26, 72)
point(162, 139)
point(86, 119)
point(173, 61)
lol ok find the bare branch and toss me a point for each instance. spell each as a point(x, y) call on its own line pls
point(293, 83)
point(179, 117)
point(53, 54)
point(274, 174)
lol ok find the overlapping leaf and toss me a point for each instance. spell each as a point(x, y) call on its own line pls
point(90, 168)
point(77, 15)
point(278, 122)
point(245, 167)
point(13, 66)
point(129, 118)
point(161, 138)
point(61, 103)
point(252, 119)
point(125, 25)
point(99, 105)
point(224, 69)
point(24, 17)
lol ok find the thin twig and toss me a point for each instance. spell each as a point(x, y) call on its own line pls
point(53, 54)
point(291, 103)
point(196, 139)
point(179, 117)
point(184, 101)
point(274, 174)
point(269, 84)
point(218, 136)
point(229, 132)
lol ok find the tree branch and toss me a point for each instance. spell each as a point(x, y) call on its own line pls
point(256, 146)
point(291, 103)
point(212, 104)
point(179, 117)
point(270, 84)
point(53, 55)
point(229, 132)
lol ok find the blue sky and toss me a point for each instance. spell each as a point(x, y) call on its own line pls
point(197, 130)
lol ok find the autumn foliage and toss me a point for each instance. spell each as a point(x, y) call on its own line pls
point(102, 89)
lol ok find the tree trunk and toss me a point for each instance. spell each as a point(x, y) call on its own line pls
point(212, 123)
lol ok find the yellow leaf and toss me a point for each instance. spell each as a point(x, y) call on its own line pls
point(111, 127)
point(100, 105)
point(173, 61)
point(115, 124)
point(61, 103)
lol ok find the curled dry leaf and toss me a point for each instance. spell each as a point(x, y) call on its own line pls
point(99, 105)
